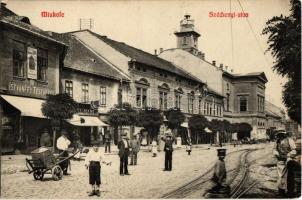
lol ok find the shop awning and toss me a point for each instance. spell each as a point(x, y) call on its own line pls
point(28, 107)
point(185, 124)
point(207, 130)
point(79, 120)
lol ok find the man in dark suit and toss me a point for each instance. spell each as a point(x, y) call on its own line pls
point(123, 147)
point(168, 151)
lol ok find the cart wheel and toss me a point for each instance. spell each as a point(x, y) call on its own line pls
point(57, 173)
point(38, 174)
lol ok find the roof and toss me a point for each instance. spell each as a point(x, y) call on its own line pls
point(273, 110)
point(80, 58)
point(23, 23)
point(143, 57)
point(260, 75)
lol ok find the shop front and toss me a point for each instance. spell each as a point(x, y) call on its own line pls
point(22, 123)
point(89, 128)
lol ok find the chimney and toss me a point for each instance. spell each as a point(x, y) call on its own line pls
point(221, 66)
point(202, 56)
point(232, 70)
point(214, 62)
point(161, 50)
point(155, 52)
point(226, 68)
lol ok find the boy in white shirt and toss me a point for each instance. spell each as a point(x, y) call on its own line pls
point(93, 163)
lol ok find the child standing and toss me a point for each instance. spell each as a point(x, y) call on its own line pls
point(154, 148)
point(189, 146)
point(93, 163)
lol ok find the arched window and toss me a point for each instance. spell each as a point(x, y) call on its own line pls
point(163, 96)
point(142, 86)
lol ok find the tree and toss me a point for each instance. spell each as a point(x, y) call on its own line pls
point(121, 115)
point(226, 129)
point(58, 108)
point(284, 43)
point(175, 117)
point(244, 130)
point(197, 124)
point(150, 119)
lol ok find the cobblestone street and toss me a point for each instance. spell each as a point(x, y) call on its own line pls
point(147, 180)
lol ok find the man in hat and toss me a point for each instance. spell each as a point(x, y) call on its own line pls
point(62, 144)
point(45, 139)
point(124, 147)
point(168, 148)
point(219, 176)
point(284, 146)
point(135, 147)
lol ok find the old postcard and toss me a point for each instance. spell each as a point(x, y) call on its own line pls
point(149, 99)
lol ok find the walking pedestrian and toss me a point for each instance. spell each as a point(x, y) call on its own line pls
point(135, 147)
point(168, 148)
point(294, 172)
point(284, 146)
point(93, 164)
point(220, 174)
point(123, 147)
point(107, 138)
point(62, 144)
point(154, 148)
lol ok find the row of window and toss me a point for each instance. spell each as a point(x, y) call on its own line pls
point(208, 109)
point(85, 92)
point(20, 59)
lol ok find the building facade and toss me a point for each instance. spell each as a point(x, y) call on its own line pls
point(243, 94)
point(29, 68)
point(93, 83)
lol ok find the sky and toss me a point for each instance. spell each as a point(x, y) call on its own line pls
point(150, 25)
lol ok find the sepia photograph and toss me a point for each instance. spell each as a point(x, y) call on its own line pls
point(150, 99)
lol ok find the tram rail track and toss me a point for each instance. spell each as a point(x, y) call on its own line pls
point(194, 185)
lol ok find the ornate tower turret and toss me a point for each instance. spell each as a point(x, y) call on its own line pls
point(187, 37)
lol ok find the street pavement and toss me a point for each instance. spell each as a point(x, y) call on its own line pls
point(147, 179)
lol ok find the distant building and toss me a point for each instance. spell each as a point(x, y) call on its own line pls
point(29, 70)
point(275, 117)
point(244, 94)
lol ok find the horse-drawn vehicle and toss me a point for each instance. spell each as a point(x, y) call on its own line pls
point(44, 161)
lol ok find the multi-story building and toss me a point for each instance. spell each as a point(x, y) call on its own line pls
point(155, 82)
point(244, 94)
point(93, 83)
point(275, 117)
point(245, 100)
point(29, 69)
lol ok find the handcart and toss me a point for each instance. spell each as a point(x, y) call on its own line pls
point(43, 161)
